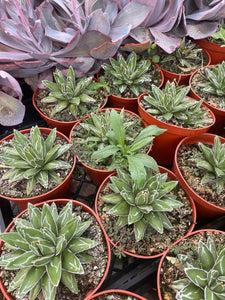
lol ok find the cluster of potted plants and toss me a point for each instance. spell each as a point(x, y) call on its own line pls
point(150, 137)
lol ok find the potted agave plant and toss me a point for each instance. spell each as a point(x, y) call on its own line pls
point(63, 102)
point(174, 111)
point(193, 268)
point(143, 218)
point(128, 78)
point(116, 294)
point(199, 165)
point(53, 250)
point(208, 83)
point(215, 44)
point(36, 165)
point(110, 138)
point(180, 64)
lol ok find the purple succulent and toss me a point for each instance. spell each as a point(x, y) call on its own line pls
point(11, 108)
point(203, 17)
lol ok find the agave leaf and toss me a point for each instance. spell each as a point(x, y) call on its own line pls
point(197, 276)
point(82, 227)
point(35, 215)
point(122, 221)
point(46, 247)
point(54, 270)
point(155, 221)
point(22, 223)
point(63, 149)
point(71, 263)
point(33, 276)
point(69, 230)
point(18, 279)
point(42, 261)
point(120, 209)
point(220, 262)
point(81, 244)
point(65, 215)
point(50, 139)
point(48, 220)
point(56, 164)
point(69, 280)
point(35, 291)
point(24, 260)
point(139, 230)
point(191, 292)
point(30, 184)
point(14, 239)
point(49, 290)
point(134, 215)
point(4, 260)
point(30, 234)
point(206, 257)
point(112, 198)
point(165, 220)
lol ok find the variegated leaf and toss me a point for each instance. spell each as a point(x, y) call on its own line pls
point(54, 270)
point(18, 279)
point(81, 244)
point(70, 281)
point(49, 290)
point(71, 263)
point(32, 277)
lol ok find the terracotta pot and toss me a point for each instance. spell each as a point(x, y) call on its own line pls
point(216, 52)
point(97, 175)
point(172, 176)
point(130, 104)
point(64, 127)
point(160, 270)
point(204, 208)
point(111, 292)
point(181, 79)
point(61, 190)
point(219, 113)
point(164, 145)
point(58, 202)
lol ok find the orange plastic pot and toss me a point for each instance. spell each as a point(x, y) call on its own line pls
point(164, 145)
point(167, 253)
point(58, 202)
point(120, 292)
point(64, 127)
point(181, 79)
point(61, 190)
point(98, 175)
point(216, 52)
point(172, 176)
point(204, 208)
point(219, 113)
point(130, 104)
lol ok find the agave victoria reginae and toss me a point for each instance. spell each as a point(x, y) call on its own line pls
point(50, 245)
point(197, 267)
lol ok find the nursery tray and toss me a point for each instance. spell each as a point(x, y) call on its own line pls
point(128, 273)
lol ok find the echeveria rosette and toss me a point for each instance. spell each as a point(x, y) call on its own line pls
point(212, 162)
point(34, 158)
point(144, 205)
point(205, 274)
point(47, 248)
